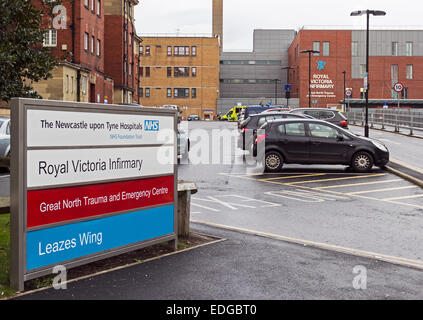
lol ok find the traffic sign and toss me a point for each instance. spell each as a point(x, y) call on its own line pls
point(348, 92)
point(398, 87)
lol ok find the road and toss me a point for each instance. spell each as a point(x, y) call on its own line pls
point(376, 212)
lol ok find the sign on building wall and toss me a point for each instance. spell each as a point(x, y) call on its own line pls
point(321, 83)
point(88, 181)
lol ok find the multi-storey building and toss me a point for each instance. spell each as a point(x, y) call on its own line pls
point(181, 71)
point(394, 55)
point(78, 43)
point(121, 49)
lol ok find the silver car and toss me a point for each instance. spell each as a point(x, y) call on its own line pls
point(4, 137)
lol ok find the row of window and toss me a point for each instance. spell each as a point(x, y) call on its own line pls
point(181, 93)
point(93, 7)
point(70, 81)
point(176, 51)
point(95, 44)
point(177, 72)
point(325, 48)
point(394, 52)
point(409, 70)
point(251, 62)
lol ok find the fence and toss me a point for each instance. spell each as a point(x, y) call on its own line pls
point(409, 120)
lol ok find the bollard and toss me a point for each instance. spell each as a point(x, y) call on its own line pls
point(185, 190)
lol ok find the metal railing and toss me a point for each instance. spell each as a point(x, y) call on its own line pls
point(396, 119)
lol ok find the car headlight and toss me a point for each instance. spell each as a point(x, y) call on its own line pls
point(380, 146)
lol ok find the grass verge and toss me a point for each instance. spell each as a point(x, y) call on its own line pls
point(5, 290)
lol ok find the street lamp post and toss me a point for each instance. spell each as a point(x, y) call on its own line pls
point(309, 73)
point(276, 90)
point(367, 13)
point(287, 82)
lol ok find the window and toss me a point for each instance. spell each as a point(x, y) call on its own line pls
point(181, 93)
point(326, 49)
point(409, 72)
point(147, 92)
point(67, 83)
point(147, 50)
point(194, 51)
point(193, 93)
point(362, 93)
point(98, 7)
point(187, 51)
point(98, 47)
point(169, 50)
point(181, 72)
point(147, 73)
point(141, 71)
point(169, 72)
point(92, 44)
point(93, 5)
point(404, 93)
point(194, 71)
point(316, 47)
point(354, 48)
point(409, 49)
point(141, 50)
point(86, 4)
point(50, 38)
point(281, 129)
point(84, 85)
point(394, 72)
point(86, 41)
point(130, 69)
point(295, 129)
point(322, 131)
point(169, 93)
point(395, 49)
point(141, 92)
point(71, 85)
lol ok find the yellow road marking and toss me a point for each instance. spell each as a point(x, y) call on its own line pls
point(405, 197)
point(382, 190)
point(343, 178)
point(292, 177)
point(358, 184)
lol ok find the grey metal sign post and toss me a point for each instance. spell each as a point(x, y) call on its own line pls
point(88, 182)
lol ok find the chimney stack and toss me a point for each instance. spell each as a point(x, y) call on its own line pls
point(218, 21)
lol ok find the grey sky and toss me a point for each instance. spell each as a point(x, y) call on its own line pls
point(241, 17)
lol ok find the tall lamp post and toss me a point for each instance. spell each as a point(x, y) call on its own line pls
point(309, 72)
point(367, 87)
point(287, 82)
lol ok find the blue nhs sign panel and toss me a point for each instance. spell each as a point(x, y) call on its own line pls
point(151, 125)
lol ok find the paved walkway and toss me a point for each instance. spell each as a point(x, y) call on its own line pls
point(246, 266)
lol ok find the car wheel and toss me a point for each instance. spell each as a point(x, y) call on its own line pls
point(273, 161)
point(362, 162)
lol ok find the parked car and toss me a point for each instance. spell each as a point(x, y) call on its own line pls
point(4, 137)
point(331, 115)
point(282, 109)
point(194, 117)
point(248, 127)
point(306, 141)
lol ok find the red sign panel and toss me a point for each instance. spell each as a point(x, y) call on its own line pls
point(64, 204)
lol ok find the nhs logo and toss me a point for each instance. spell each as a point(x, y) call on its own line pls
point(151, 125)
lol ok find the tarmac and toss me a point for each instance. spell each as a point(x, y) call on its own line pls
point(244, 266)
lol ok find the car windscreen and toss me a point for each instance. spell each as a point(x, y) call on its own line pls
point(1, 123)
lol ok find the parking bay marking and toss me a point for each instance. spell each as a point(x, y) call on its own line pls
point(336, 179)
point(305, 196)
point(357, 184)
point(332, 192)
point(382, 190)
point(232, 205)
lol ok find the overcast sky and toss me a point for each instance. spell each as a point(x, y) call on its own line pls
point(241, 17)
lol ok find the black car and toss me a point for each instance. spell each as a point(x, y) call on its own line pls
point(307, 141)
point(330, 115)
point(248, 127)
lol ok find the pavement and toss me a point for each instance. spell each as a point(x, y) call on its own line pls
point(245, 267)
point(406, 153)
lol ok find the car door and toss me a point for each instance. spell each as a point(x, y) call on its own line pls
point(327, 144)
point(294, 142)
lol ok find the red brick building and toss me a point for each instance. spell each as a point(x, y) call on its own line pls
point(122, 49)
point(77, 39)
point(395, 55)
